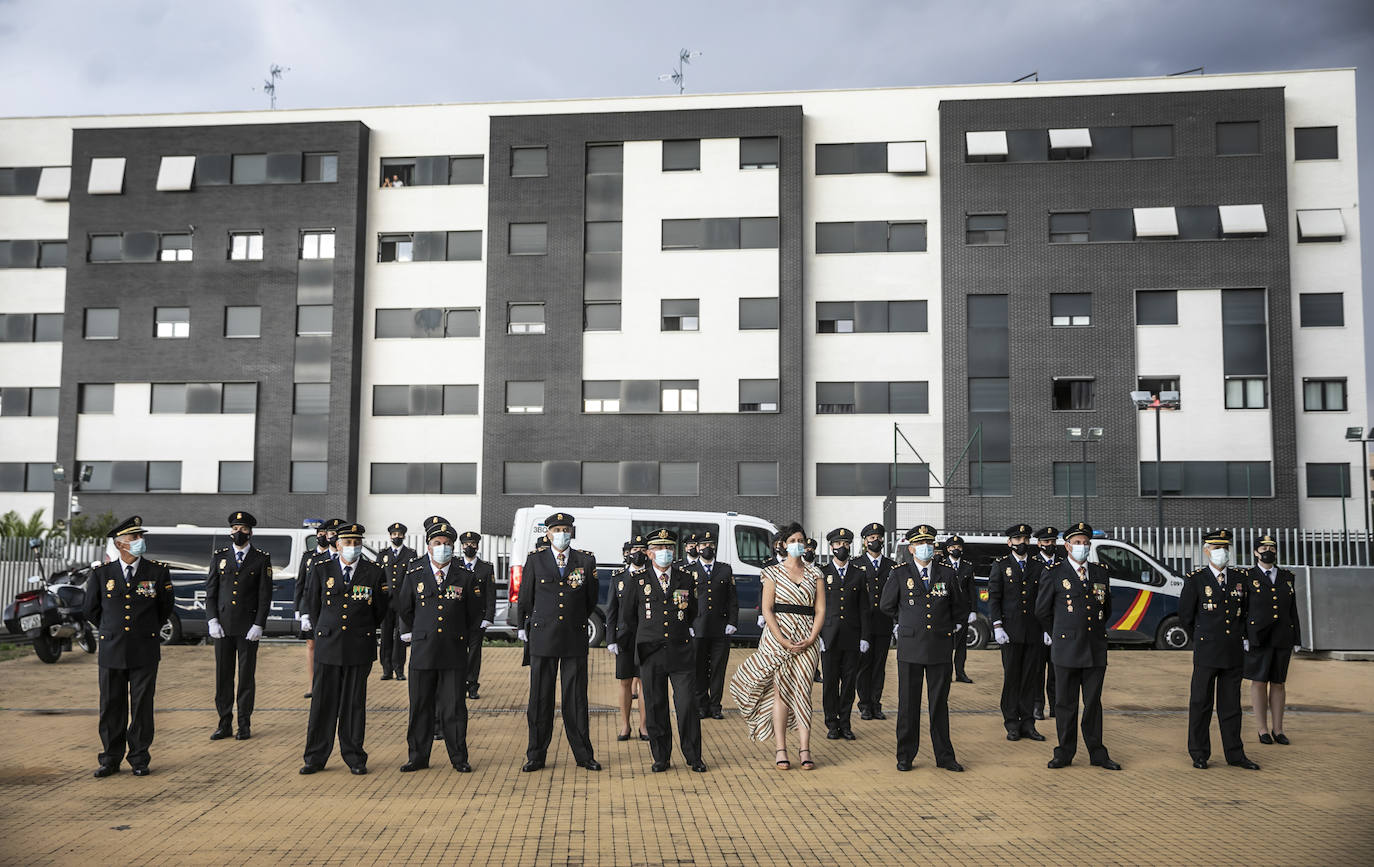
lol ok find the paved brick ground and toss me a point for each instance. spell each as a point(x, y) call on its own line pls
point(232, 802)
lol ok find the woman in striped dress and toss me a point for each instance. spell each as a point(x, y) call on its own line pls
point(773, 687)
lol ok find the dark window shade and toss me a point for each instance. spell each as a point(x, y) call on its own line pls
point(1237, 138)
point(1110, 143)
point(720, 234)
point(838, 159)
point(682, 155)
point(1321, 309)
point(682, 234)
point(213, 170)
point(529, 239)
point(250, 168)
point(321, 168)
point(986, 229)
point(430, 247)
point(1207, 478)
point(465, 170)
point(106, 248)
point(757, 478)
point(835, 238)
point(283, 168)
point(1328, 480)
point(1156, 307)
point(1152, 141)
point(1198, 223)
point(463, 323)
point(1315, 143)
point(601, 276)
point(758, 233)
point(605, 196)
point(989, 394)
point(236, 477)
point(1073, 394)
point(834, 317)
point(909, 397)
point(460, 400)
point(758, 395)
point(430, 171)
point(465, 246)
point(605, 159)
point(529, 162)
point(758, 313)
point(1071, 308)
point(1244, 340)
point(907, 316)
point(1070, 228)
point(1028, 145)
point(140, 246)
point(604, 237)
point(95, 398)
point(52, 254)
point(758, 153)
point(1112, 224)
point(602, 316)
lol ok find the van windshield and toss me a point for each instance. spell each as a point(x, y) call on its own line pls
point(1126, 565)
point(681, 528)
point(182, 550)
point(277, 546)
point(754, 545)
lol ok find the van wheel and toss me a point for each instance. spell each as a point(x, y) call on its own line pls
point(596, 630)
point(170, 633)
point(977, 636)
point(1172, 635)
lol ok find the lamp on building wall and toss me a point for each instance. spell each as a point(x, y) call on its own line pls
point(1084, 435)
point(1157, 402)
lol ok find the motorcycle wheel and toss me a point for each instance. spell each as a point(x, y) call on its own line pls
point(86, 640)
point(49, 649)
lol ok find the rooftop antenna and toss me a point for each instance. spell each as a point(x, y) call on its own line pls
point(1200, 70)
point(269, 84)
point(1035, 75)
point(684, 57)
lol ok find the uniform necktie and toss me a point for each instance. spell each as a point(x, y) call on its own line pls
point(348, 574)
point(562, 565)
point(129, 574)
point(926, 578)
point(841, 571)
point(439, 577)
point(875, 565)
point(1221, 579)
point(238, 556)
point(1082, 574)
point(708, 570)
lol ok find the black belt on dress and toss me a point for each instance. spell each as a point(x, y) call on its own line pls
point(784, 608)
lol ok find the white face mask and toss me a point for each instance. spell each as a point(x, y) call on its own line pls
point(561, 541)
point(1220, 557)
point(349, 553)
point(796, 549)
point(1079, 552)
point(441, 553)
point(924, 552)
point(137, 547)
point(663, 557)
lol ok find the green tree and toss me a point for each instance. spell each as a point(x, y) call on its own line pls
point(12, 526)
point(92, 527)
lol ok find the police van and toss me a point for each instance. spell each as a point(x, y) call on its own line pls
point(745, 544)
point(1144, 591)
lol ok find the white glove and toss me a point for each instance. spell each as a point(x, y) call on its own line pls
point(1297, 647)
point(485, 624)
point(1047, 639)
point(958, 626)
point(296, 615)
point(730, 630)
point(305, 622)
point(972, 616)
point(216, 631)
point(254, 632)
point(692, 632)
point(894, 632)
point(1001, 635)
point(405, 636)
point(520, 634)
point(762, 621)
point(821, 642)
point(1245, 643)
point(863, 645)
point(613, 648)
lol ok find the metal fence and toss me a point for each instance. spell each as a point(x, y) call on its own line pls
point(1181, 547)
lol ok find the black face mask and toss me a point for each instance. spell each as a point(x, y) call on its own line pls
point(956, 553)
point(329, 540)
point(397, 541)
point(708, 553)
point(876, 546)
point(1020, 548)
point(1047, 550)
point(470, 552)
point(840, 553)
point(809, 556)
point(639, 558)
point(1268, 557)
point(240, 537)
point(691, 552)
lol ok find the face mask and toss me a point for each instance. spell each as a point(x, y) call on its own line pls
point(876, 546)
point(639, 558)
point(708, 553)
point(663, 557)
point(240, 538)
point(691, 552)
point(441, 553)
point(956, 553)
point(470, 552)
point(349, 553)
point(330, 539)
point(796, 549)
point(1269, 557)
point(561, 541)
point(925, 552)
point(1047, 550)
point(137, 547)
point(397, 541)
point(1020, 548)
point(1079, 552)
point(809, 556)
point(1220, 557)
point(841, 553)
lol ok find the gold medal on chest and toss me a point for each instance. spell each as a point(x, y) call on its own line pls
point(1067, 585)
point(330, 583)
point(222, 564)
point(109, 585)
point(681, 615)
point(1257, 585)
point(830, 580)
point(1008, 571)
point(911, 583)
point(420, 587)
point(1209, 590)
point(620, 586)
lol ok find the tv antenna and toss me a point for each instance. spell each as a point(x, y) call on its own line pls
point(677, 76)
point(269, 84)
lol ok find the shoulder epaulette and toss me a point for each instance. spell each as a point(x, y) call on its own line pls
point(219, 551)
point(1196, 571)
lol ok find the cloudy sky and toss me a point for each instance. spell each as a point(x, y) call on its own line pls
point(99, 57)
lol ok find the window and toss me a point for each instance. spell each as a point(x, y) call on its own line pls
point(525, 318)
point(164, 476)
point(754, 545)
point(678, 395)
point(465, 170)
point(1069, 478)
point(1073, 393)
point(309, 477)
point(245, 246)
point(1152, 141)
point(140, 246)
point(758, 314)
point(529, 162)
point(242, 321)
point(529, 239)
point(758, 395)
point(1071, 308)
point(680, 314)
point(856, 158)
point(427, 322)
point(835, 398)
point(679, 478)
point(106, 248)
point(834, 317)
point(524, 396)
point(396, 247)
point(239, 398)
point(1070, 144)
point(236, 477)
point(30, 327)
point(1321, 309)
point(311, 398)
point(682, 156)
point(522, 477)
point(31, 477)
point(95, 397)
point(1207, 478)
point(47, 327)
point(1126, 565)
point(314, 319)
point(757, 478)
point(1111, 224)
point(34, 402)
point(101, 323)
point(871, 237)
point(398, 172)
point(1323, 395)
point(721, 233)
point(463, 323)
point(1199, 223)
point(1244, 342)
point(168, 397)
point(1328, 480)
point(847, 317)
point(172, 322)
point(872, 479)
point(52, 254)
point(424, 478)
point(424, 400)
point(989, 479)
point(1236, 139)
point(1321, 226)
point(317, 244)
point(22, 181)
point(321, 168)
point(601, 316)
point(843, 398)
point(1157, 385)
point(601, 395)
point(1247, 392)
point(758, 153)
point(603, 237)
point(250, 169)
point(984, 229)
point(1315, 143)
point(1156, 307)
point(174, 248)
point(465, 246)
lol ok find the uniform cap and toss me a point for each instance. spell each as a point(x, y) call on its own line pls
point(839, 534)
point(351, 531)
point(872, 529)
point(243, 518)
point(470, 536)
point(1047, 534)
point(1018, 530)
point(663, 537)
point(397, 527)
point(1218, 537)
point(921, 533)
point(1082, 528)
point(559, 519)
point(127, 526)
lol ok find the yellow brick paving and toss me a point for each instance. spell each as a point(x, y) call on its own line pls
point(243, 802)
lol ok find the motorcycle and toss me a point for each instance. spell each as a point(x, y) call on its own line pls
point(52, 613)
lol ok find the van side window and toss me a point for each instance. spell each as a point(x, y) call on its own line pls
point(275, 544)
point(182, 551)
point(683, 530)
point(754, 545)
point(1125, 565)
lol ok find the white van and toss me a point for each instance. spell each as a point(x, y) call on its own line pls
point(746, 544)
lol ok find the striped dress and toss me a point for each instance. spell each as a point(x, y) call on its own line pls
point(772, 673)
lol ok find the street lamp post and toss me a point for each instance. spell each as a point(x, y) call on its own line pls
point(1164, 400)
point(1084, 435)
point(59, 475)
point(1357, 435)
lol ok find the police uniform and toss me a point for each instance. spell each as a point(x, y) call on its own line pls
point(484, 574)
point(873, 664)
point(717, 618)
point(1013, 589)
point(345, 602)
point(391, 652)
point(440, 610)
point(842, 633)
point(929, 612)
point(1074, 606)
point(238, 595)
point(622, 584)
point(658, 621)
point(309, 560)
point(1272, 626)
point(556, 602)
point(1044, 674)
point(128, 603)
point(963, 568)
point(1212, 607)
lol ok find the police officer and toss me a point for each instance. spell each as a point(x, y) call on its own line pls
point(326, 541)
point(809, 550)
point(128, 600)
point(1046, 539)
point(842, 633)
point(717, 619)
point(540, 544)
point(485, 589)
point(689, 552)
point(954, 559)
point(344, 603)
point(1273, 634)
point(1074, 605)
point(238, 598)
point(395, 560)
point(557, 597)
point(1013, 589)
point(657, 620)
point(626, 672)
point(923, 598)
point(873, 664)
point(1212, 608)
point(440, 610)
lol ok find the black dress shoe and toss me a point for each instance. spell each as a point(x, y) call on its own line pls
point(703, 714)
point(953, 766)
point(532, 765)
point(142, 772)
point(472, 692)
point(590, 764)
point(412, 766)
point(309, 694)
point(699, 766)
point(716, 714)
point(358, 771)
point(660, 767)
point(462, 767)
point(311, 769)
point(105, 771)
point(849, 735)
point(1282, 738)
point(1013, 736)
point(438, 735)
point(833, 735)
point(1108, 765)
point(878, 714)
point(1265, 739)
point(386, 675)
point(1033, 735)
point(903, 765)
point(400, 676)
point(1245, 763)
point(964, 678)
point(1057, 763)
point(244, 733)
point(221, 733)
point(1039, 712)
point(1200, 764)
point(865, 713)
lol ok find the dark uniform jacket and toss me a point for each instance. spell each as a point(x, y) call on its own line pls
point(1214, 617)
point(846, 606)
point(878, 622)
point(1076, 615)
point(925, 620)
point(442, 619)
point(1012, 594)
point(554, 610)
point(717, 602)
point(394, 565)
point(1273, 612)
point(239, 596)
point(966, 582)
point(484, 575)
point(345, 615)
point(622, 586)
point(659, 623)
point(304, 573)
point(128, 616)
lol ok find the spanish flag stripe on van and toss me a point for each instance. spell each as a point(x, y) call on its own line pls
point(1135, 612)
